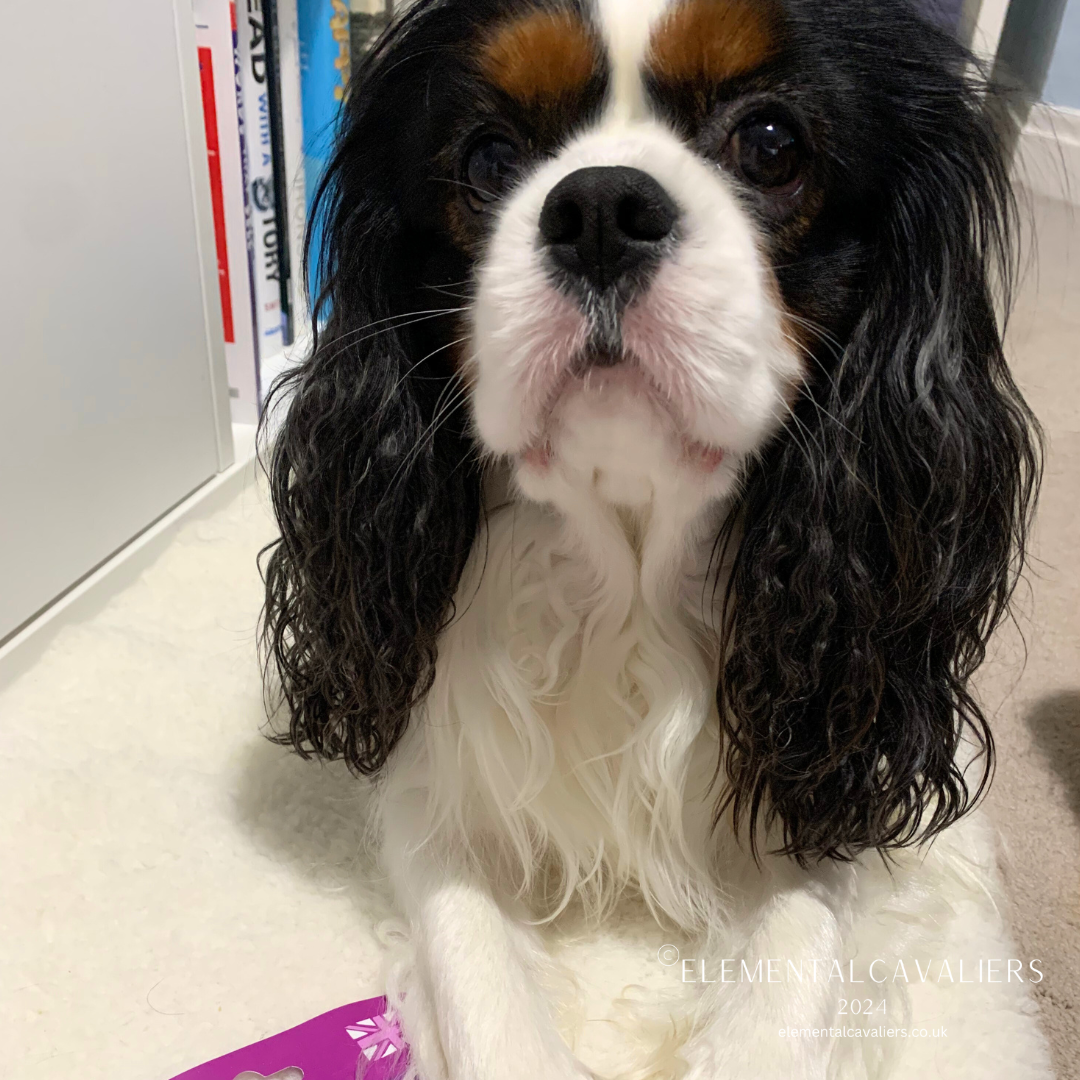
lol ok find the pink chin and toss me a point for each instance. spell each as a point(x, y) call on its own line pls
point(538, 457)
point(605, 389)
point(706, 458)
point(701, 456)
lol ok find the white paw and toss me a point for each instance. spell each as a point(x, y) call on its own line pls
point(752, 1061)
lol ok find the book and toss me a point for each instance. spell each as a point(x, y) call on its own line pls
point(277, 151)
point(367, 20)
point(292, 122)
point(325, 61)
point(331, 33)
point(264, 238)
point(215, 33)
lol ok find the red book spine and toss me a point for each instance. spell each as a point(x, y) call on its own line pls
point(213, 153)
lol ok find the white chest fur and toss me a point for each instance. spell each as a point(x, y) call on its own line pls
point(564, 757)
point(570, 736)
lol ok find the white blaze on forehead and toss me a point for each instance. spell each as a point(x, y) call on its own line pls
point(626, 26)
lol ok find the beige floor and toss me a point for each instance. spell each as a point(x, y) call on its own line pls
point(1036, 794)
point(172, 886)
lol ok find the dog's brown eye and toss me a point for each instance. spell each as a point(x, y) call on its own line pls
point(491, 165)
point(768, 153)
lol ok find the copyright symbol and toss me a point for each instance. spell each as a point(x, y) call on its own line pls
point(668, 955)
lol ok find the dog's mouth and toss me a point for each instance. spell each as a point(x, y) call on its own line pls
point(606, 380)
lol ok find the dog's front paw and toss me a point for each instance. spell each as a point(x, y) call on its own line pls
point(571, 1070)
point(521, 1067)
point(741, 1057)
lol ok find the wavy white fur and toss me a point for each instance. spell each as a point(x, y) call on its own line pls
point(563, 762)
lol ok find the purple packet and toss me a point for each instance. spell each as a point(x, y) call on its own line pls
point(361, 1041)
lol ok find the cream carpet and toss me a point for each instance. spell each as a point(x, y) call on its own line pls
point(173, 886)
point(1035, 799)
point(157, 854)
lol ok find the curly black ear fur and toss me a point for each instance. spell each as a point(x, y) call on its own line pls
point(372, 475)
point(882, 534)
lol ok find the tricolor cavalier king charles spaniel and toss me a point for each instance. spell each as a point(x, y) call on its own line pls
point(647, 501)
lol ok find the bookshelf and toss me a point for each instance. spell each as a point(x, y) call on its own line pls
point(152, 281)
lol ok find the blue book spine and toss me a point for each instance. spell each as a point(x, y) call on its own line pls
point(324, 74)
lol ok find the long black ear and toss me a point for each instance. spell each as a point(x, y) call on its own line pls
point(372, 473)
point(883, 532)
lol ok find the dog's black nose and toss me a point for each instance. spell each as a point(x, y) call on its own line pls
point(604, 223)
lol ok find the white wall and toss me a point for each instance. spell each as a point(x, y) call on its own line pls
point(113, 404)
point(1063, 81)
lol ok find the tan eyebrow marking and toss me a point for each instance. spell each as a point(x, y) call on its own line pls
point(713, 40)
point(541, 57)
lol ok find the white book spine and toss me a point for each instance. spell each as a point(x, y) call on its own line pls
point(293, 126)
point(266, 265)
point(214, 32)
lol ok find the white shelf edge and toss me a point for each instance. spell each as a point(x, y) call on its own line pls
point(20, 651)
